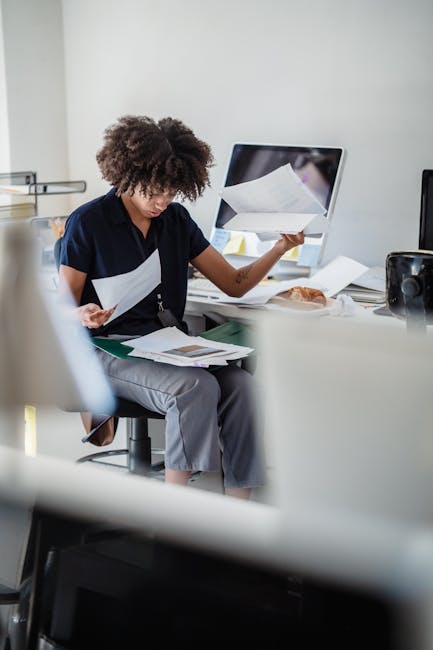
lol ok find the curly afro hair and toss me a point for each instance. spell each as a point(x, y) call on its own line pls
point(140, 153)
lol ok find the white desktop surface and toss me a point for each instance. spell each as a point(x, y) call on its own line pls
point(198, 305)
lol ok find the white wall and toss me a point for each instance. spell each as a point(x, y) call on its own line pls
point(36, 102)
point(330, 72)
point(4, 123)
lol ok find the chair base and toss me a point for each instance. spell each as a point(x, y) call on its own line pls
point(139, 451)
point(141, 467)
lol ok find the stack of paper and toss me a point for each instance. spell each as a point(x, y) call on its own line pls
point(370, 287)
point(278, 202)
point(170, 345)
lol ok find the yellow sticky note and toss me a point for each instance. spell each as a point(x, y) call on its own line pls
point(235, 246)
point(292, 254)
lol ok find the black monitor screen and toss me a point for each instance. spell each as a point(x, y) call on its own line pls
point(426, 217)
point(317, 166)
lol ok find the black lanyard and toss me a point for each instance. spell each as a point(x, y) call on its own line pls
point(165, 316)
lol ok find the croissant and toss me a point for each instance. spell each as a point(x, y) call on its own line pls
point(306, 294)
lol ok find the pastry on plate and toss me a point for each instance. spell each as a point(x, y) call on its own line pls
point(305, 294)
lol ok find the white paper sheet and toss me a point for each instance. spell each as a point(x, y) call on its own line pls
point(374, 278)
point(268, 203)
point(336, 275)
point(280, 191)
point(278, 222)
point(160, 344)
point(161, 358)
point(127, 289)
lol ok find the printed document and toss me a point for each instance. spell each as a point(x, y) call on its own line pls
point(277, 202)
point(127, 289)
point(171, 345)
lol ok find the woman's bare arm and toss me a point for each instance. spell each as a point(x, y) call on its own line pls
point(236, 282)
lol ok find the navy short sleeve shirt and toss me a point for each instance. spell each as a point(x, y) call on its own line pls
point(101, 241)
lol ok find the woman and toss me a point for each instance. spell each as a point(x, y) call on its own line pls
point(148, 164)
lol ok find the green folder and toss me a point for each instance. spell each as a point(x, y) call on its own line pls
point(114, 347)
point(229, 332)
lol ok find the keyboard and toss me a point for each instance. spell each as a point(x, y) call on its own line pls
point(202, 287)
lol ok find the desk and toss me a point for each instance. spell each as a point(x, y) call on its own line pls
point(200, 306)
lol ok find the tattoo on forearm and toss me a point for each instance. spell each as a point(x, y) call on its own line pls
point(242, 276)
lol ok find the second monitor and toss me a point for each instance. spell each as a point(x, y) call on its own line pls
point(426, 216)
point(319, 168)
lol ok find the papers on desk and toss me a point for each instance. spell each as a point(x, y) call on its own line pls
point(331, 280)
point(170, 345)
point(360, 294)
point(260, 295)
point(370, 287)
point(278, 202)
point(337, 274)
point(374, 279)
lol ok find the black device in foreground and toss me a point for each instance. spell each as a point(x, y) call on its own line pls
point(409, 286)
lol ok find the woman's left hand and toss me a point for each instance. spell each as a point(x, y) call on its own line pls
point(289, 241)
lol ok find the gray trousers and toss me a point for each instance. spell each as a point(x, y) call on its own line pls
point(206, 413)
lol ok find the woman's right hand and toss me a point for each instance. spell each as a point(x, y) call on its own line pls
point(92, 316)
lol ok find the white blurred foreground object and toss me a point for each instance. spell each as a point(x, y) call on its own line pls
point(350, 408)
point(350, 405)
point(46, 357)
point(393, 559)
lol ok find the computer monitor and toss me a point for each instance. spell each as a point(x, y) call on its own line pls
point(320, 169)
point(426, 216)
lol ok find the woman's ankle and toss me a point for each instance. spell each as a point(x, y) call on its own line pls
point(177, 476)
point(238, 493)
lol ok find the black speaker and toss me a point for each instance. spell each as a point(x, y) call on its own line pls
point(409, 287)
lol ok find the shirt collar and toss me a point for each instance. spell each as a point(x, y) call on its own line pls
point(118, 212)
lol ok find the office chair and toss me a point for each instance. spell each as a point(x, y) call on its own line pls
point(139, 444)
point(139, 448)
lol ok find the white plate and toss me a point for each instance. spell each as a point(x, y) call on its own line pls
point(302, 305)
